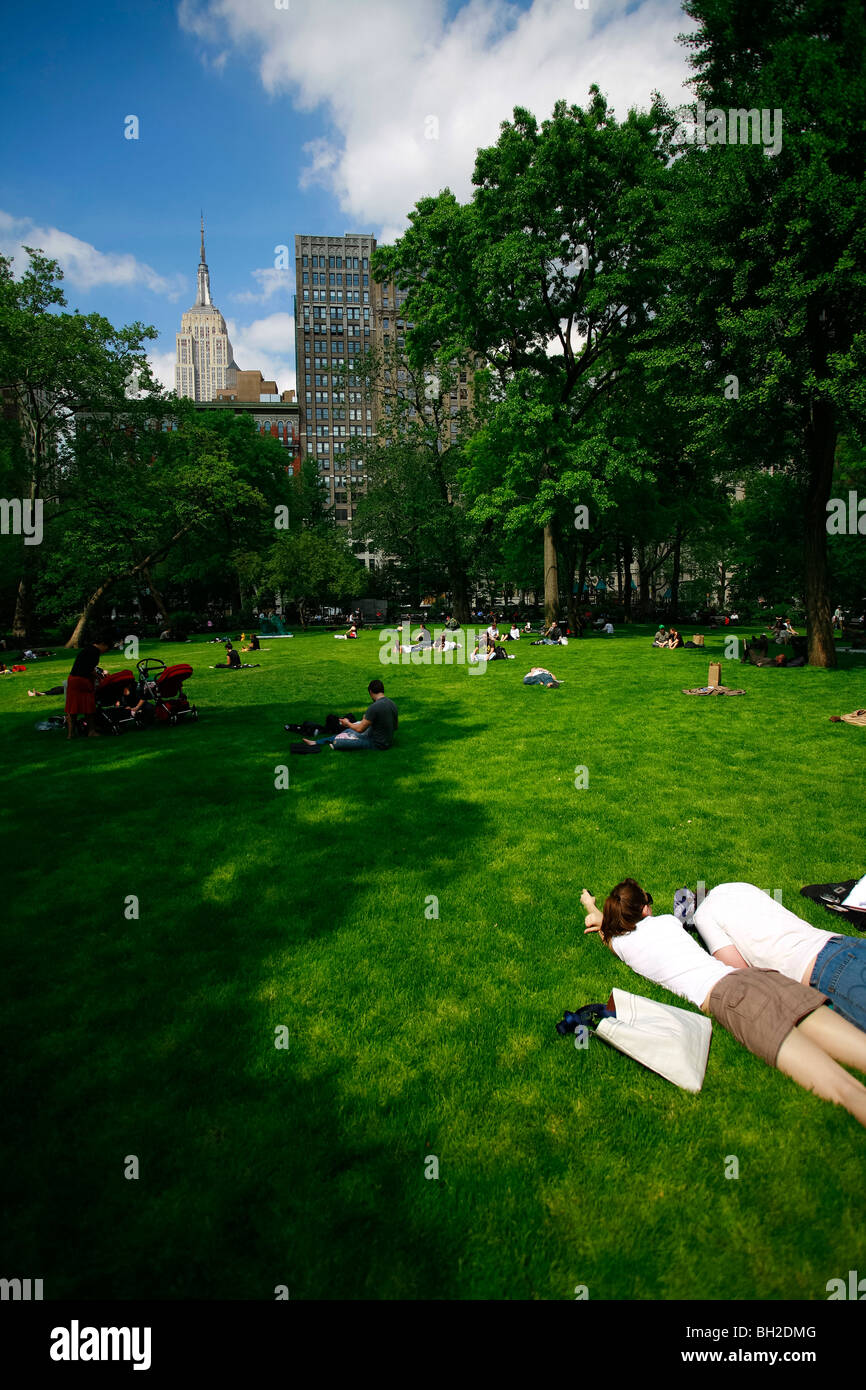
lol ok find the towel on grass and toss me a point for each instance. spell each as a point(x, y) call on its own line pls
point(714, 690)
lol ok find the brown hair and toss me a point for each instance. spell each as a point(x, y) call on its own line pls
point(623, 909)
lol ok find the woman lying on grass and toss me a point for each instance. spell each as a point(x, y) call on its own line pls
point(778, 1019)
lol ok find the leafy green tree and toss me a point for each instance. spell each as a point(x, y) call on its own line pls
point(766, 252)
point(133, 493)
point(310, 567)
point(54, 365)
point(546, 276)
point(414, 509)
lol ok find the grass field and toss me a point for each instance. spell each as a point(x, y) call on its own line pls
point(409, 1034)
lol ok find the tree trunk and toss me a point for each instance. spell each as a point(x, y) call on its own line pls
point(551, 576)
point(21, 620)
point(675, 575)
point(627, 557)
point(460, 596)
point(157, 597)
point(582, 569)
point(84, 616)
point(821, 439)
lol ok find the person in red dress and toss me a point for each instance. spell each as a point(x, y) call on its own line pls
point(81, 685)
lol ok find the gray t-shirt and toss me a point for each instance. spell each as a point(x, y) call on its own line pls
point(382, 717)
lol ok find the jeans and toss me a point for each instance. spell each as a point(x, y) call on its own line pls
point(541, 678)
point(348, 741)
point(840, 972)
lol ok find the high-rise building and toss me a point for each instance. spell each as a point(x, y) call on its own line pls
point(204, 353)
point(339, 315)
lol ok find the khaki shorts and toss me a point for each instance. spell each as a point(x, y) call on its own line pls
point(760, 1007)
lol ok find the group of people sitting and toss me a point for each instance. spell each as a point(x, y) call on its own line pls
point(780, 630)
point(756, 653)
point(672, 639)
point(766, 976)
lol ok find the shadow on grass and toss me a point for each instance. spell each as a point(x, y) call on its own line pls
point(150, 1030)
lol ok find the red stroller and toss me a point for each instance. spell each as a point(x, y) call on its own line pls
point(113, 712)
point(163, 685)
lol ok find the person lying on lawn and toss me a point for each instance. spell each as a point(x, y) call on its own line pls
point(539, 675)
point(782, 1021)
point(744, 926)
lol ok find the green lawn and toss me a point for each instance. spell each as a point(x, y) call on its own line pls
point(409, 1034)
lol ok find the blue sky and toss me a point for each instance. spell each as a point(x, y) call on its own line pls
point(317, 116)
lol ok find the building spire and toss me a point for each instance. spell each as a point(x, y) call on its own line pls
point(203, 295)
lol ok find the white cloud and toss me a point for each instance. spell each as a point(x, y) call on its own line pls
point(162, 366)
point(266, 345)
point(272, 282)
point(84, 267)
point(379, 73)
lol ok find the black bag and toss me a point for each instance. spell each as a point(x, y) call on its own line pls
point(831, 895)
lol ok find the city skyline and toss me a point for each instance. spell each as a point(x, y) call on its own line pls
point(302, 124)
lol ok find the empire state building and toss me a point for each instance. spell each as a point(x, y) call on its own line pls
point(204, 353)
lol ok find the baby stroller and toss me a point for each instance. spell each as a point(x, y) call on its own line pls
point(163, 685)
point(113, 715)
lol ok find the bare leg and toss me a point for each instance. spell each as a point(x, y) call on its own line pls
point(836, 1036)
point(807, 1064)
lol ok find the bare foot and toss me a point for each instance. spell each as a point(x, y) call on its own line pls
point(587, 900)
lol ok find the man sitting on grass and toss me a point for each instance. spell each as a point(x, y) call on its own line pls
point(374, 730)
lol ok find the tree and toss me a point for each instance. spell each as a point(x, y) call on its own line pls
point(134, 491)
point(311, 567)
point(767, 253)
point(52, 366)
point(414, 508)
point(546, 276)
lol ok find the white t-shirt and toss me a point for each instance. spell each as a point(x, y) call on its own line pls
point(661, 949)
point(764, 932)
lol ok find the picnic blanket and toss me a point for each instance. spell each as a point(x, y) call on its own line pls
point(714, 690)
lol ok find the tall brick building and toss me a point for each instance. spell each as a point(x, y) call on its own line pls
point(340, 314)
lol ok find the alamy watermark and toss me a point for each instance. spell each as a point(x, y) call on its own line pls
point(738, 126)
point(847, 520)
point(19, 516)
point(465, 646)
